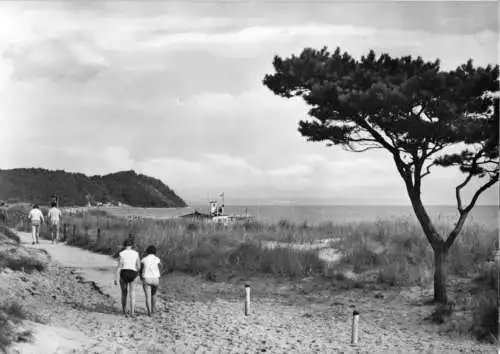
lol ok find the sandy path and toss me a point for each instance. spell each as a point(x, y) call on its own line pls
point(95, 267)
point(293, 323)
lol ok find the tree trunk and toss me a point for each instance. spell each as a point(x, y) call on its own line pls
point(440, 274)
point(438, 245)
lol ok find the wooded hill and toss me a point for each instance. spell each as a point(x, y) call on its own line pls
point(36, 185)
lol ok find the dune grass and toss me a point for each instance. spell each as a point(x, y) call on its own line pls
point(401, 255)
point(485, 314)
point(396, 250)
point(6, 231)
point(11, 314)
point(18, 258)
point(20, 263)
point(392, 252)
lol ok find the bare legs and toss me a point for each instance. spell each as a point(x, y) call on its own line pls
point(150, 294)
point(153, 298)
point(147, 293)
point(54, 230)
point(131, 292)
point(124, 287)
point(128, 293)
point(35, 230)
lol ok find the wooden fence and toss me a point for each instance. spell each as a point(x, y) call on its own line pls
point(19, 221)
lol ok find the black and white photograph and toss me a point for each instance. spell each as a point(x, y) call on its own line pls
point(249, 176)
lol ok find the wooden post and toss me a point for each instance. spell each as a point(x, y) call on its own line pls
point(98, 234)
point(247, 300)
point(355, 322)
point(64, 232)
point(74, 230)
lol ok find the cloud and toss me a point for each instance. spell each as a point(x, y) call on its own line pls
point(308, 175)
point(258, 40)
point(175, 91)
point(71, 59)
point(92, 160)
point(232, 162)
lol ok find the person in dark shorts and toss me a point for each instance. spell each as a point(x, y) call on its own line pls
point(150, 276)
point(127, 271)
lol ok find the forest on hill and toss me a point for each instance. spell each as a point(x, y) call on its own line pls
point(37, 185)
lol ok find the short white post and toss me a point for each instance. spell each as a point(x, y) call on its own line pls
point(355, 322)
point(247, 300)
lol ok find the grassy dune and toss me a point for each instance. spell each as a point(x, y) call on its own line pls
point(11, 314)
point(14, 257)
point(385, 253)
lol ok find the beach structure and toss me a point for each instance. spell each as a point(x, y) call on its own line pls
point(216, 214)
point(197, 216)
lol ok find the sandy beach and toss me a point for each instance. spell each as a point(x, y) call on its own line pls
point(78, 303)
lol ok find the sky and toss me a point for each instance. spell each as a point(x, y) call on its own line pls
point(174, 90)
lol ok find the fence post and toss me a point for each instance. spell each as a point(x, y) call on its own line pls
point(64, 232)
point(355, 322)
point(247, 300)
point(98, 234)
point(74, 231)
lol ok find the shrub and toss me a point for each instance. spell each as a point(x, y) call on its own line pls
point(485, 315)
point(485, 319)
point(27, 265)
point(11, 313)
point(9, 233)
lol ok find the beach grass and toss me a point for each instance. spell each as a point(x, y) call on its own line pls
point(396, 248)
point(6, 231)
point(11, 314)
point(390, 253)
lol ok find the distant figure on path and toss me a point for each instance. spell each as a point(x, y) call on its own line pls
point(129, 264)
point(150, 276)
point(54, 217)
point(35, 216)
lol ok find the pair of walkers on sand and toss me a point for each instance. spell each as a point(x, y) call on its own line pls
point(130, 266)
point(36, 219)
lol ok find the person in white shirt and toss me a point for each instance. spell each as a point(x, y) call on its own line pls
point(150, 276)
point(129, 264)
point(54, 217)
point(35, 216)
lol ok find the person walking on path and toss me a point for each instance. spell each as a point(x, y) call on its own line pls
point(54, 217)
point(35, 216)
point(129, 264)
point(150, 276)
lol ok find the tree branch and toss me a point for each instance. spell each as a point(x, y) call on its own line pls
point(419, 113)
point(456, 230)
point(361, 140)
point(353, 149)
point(465, 212)
point(419, 162)
point(404, 171)
point(457, 192)
point(484, 187)
point(436, 148)
point(427, 170)
point(377, 136)
point(467, 180)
